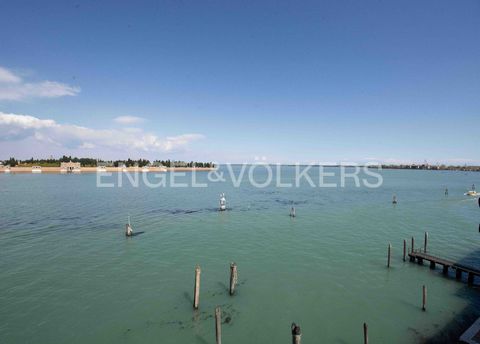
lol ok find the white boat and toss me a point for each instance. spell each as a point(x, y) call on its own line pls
point(101, 169)
point(223, 202)
point(36, 169)
point(162, 169)
point(76, 170)
point(472, 192)
point(63, 170)
point(145, 169)
point(128, 228)
point(7, 170)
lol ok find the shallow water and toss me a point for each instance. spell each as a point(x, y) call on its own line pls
point(69, 275)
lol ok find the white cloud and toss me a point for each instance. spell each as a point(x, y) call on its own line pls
point(8, 77)
point(128, 120)
point(18, 127)
point(13, 88)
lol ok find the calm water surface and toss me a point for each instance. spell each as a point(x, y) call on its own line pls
point(68, 274)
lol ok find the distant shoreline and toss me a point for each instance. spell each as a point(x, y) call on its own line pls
point(58, 170)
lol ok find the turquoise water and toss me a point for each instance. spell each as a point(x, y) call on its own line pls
point(68, 274)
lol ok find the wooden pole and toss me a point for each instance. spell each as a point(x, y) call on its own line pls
point(218, 325)
point(365, 333)
point(296, 334)
point(196, 290)
point(424, 298)
point(404, 249)
point(425, 242)
point(233, 277)
point(389, 254)
point(413, 244)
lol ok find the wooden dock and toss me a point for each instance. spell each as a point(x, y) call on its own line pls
point(420, 256)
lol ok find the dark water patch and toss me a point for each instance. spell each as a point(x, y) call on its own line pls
point(134, 234)
point(179, 211)
point(289, 202)
point(200, 339)
point(69, 218)
point(451, 332)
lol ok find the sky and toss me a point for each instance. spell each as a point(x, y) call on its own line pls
point(241, 81)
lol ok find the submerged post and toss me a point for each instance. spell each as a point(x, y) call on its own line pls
point(218, 325)
point(404, 249)
point(365, 333)
point(196, 291)
point(296, 334)
point(424, 298)
point(425, 242)
point(389, 254)
point(233, 277)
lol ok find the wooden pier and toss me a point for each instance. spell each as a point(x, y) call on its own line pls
point(420, 256)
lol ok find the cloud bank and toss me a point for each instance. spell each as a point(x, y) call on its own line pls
point(129, 120)
point(16, 127)
point(14, 88)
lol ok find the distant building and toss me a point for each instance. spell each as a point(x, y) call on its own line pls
point(70, 166)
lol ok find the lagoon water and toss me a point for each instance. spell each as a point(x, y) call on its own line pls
point(69, 275)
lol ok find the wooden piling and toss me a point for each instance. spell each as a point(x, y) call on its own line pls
point(218, 325)
point(424, 298)
point(425, 242)
point(458, 274)
point(445, 270)
point(296, 334)
point(470, 278)
point(432, 265)
point(365, 333)
point(233, 277)
point(404, 249)
point(413, 243)
point(196, 290)
point(389, 255)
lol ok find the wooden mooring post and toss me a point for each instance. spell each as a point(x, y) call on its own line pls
point(404, 249)
point(389, 255)
point(425, 242)
point(196, 290)
point(233, 277)
point(365, 333)
point(424, 298)
point(413, 244)
point(218, 325)
point(296, 334)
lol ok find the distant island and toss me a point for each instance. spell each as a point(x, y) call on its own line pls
point(431, 167)
point(91, 162)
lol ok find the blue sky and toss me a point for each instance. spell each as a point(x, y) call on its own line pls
point(231, 81)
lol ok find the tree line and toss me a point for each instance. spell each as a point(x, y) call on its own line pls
point(90, 162)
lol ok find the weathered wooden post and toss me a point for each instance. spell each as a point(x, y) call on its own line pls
point(233, 277)
point(470, 278)
point(196, 290)
point(389, 254)
point(296, 334)
point(413, 243)
point(404, 249)
point(218, 325)
point(424, 298)
point(365, 333)
point(425, 242)
point(445, 270)
point(458, 274)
